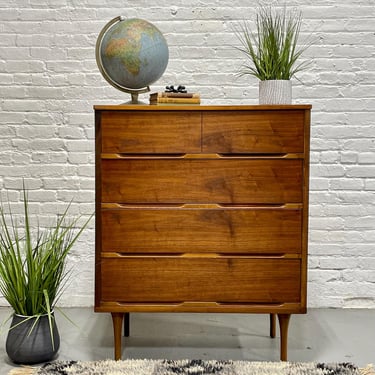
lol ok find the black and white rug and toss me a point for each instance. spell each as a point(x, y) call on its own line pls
point(191, 367)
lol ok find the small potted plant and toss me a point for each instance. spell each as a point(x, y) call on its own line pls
point(273, 52)
point(33, 273)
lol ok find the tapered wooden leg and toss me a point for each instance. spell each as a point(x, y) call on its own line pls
point(126, 325)
point(283, 323)
point(273, 325)
point(117, 319)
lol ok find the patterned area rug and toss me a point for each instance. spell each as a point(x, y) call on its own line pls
point(190, 367)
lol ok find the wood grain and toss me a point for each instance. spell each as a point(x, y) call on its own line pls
point(150, 132)
point(235, 181)
point(222, 230)
point(253, 132)
point(173, 279)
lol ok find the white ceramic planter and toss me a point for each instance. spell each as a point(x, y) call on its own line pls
point(275, 92)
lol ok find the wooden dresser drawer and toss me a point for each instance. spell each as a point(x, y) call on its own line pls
point(150, 132)
point(253, 132)
point(175, 279)
point(223, 180)
point(205, 230)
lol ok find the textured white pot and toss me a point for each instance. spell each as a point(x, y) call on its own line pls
point(275, 92)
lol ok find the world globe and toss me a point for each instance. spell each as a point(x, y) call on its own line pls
point(131, 55)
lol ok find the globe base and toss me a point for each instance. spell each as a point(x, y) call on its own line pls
point(135, 94)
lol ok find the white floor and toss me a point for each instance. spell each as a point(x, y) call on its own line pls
point(325, 335)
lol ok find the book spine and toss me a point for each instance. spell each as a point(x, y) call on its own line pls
point(176, 95)
point(174, 104)
point(176, 100)
point(173, 95)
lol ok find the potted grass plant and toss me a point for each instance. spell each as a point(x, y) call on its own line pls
point(273, 52)
point(33, 274)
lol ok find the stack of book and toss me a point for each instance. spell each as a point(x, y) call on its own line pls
point(171, 98)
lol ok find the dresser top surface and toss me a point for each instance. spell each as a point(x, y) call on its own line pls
point(146, 107)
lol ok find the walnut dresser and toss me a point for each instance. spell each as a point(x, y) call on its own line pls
point(202, 209)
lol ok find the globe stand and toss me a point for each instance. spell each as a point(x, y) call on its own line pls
point(134, 94)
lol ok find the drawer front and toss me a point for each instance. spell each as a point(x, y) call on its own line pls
point(151, 132)
point(177, 279)
point(253, 132)
point(184, 230)
point(227, 180)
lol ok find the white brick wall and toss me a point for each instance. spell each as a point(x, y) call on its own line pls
point(49, 82)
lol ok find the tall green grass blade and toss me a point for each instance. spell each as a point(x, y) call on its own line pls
point(50, 322)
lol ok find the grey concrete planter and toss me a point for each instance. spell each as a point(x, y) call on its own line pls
point(29, 341)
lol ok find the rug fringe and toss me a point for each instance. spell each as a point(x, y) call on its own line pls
point(25, 370)
point(368, 370)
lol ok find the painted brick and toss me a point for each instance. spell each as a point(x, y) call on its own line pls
point(49, 82)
